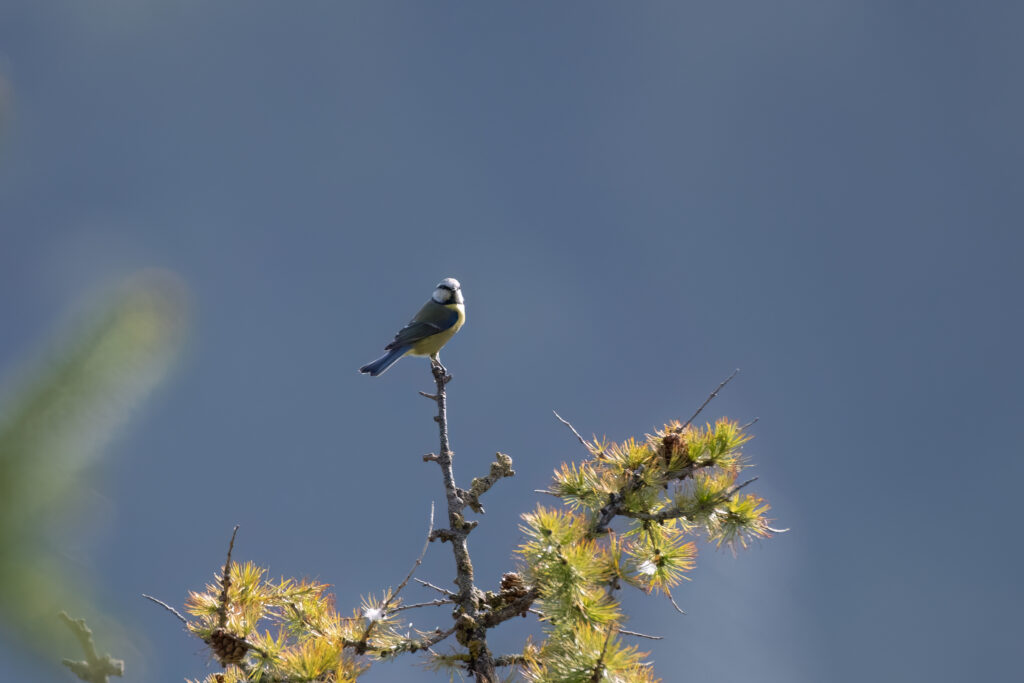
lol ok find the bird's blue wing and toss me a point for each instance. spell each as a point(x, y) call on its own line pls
point(430, 320)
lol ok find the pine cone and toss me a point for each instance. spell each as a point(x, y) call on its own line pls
point(227, 647)
point(512, 585)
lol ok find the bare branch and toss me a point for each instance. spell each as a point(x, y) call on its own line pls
point(168, 608)
point(673, 601)
point(500, 468)
point(419, 560)
point(578, 437)
point(361, 645)
point(709, 399)
point(432, 603)
point(624, 632)
point(437, 588)
point(472, 634)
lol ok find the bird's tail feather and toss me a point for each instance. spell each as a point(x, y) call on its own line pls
point(378, 366)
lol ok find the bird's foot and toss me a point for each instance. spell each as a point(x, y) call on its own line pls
point(439, 370)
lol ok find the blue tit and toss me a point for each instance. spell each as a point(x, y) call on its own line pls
point(429, 330)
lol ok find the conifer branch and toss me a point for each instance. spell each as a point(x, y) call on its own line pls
point(676, 512)
point(225, 583)
point(94, 669)
point(599, 666)
point(413, 645)
point(519, 606)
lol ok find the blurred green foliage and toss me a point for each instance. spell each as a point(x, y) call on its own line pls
point(55, 422)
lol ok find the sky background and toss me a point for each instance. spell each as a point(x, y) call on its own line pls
point(637, 198)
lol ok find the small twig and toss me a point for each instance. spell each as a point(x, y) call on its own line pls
point(567, 424)
point(447, 592)
point(419, 560)
point(709, 399)
point(673, 601)
point(750, 424)
point(432, 397)
point(432, 603)
point(637, 634)
point(361, 645)
point(167, 607)
point(736, 488)
point(225, 582)
point(94, 669)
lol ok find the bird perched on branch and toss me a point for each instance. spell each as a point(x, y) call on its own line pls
point(429, 330)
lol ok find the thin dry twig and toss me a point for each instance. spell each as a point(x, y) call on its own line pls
point(709, 399)
point(432, 603)
point(567, 424)
point(637, 634)
point(447, 592)
point(361, 645)
point(419, 560)
point(673, 601)
point(168, 608)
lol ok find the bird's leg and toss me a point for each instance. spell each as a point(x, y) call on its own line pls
point(435, 362)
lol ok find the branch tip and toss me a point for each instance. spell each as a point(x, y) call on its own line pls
point(709, 399)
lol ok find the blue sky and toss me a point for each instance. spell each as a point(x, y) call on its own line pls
point(637, 198)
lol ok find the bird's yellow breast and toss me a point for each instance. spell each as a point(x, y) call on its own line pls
point(428, 346)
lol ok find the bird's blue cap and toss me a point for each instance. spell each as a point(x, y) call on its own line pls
point(449, 283)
